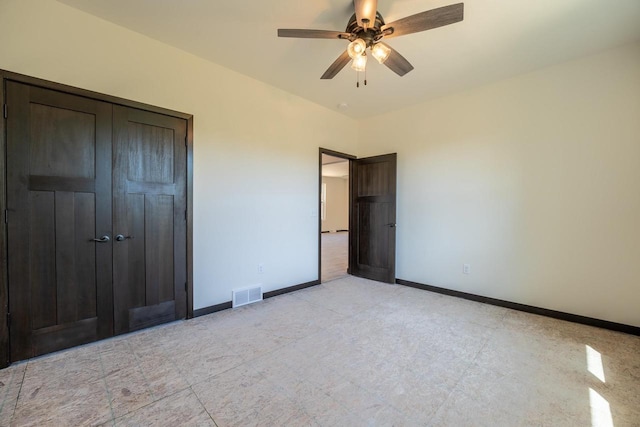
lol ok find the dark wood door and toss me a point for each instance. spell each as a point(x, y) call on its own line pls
point(149, 186)
point(58, 200)
point(372, 237)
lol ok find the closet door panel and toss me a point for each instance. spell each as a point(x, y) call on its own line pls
point(58, 200)
point(149, 213)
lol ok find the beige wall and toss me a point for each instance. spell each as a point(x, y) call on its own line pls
point(256, 147)
point(534, 181)
point(337, 211)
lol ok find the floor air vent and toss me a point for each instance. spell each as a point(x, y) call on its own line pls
point(246, 296)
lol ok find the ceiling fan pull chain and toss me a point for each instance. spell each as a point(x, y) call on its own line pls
point(365, 76)
point(358, 79)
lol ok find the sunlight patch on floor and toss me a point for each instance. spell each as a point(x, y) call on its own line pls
point(600, 410)
point(594, 363)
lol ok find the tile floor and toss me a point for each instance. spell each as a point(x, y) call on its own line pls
point(346, 353)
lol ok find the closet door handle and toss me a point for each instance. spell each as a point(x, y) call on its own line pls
point(103, 239)
point(120, 237)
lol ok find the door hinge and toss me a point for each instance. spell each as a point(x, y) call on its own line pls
point(186, 140)
point(186, 286)
point(4, 111)
point(8, 320)
point(6, 216)
point(185, 214)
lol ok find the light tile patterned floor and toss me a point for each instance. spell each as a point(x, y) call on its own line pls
point(347, 353)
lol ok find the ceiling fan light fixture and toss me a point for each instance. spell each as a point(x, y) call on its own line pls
point(365, 30)
point(380, 52)
point(356, 48)
point(359, 63)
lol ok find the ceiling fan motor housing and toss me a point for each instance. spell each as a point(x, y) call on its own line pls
point(370, 35)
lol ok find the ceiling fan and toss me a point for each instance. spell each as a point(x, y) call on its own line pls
point(367, 28)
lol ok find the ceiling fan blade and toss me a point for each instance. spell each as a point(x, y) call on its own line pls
point(397, 63)
point(426, 20)
point(337, 65)
point(313, 34)
point(366, 12)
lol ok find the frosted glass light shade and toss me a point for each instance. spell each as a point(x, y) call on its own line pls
point(356, 48)
point(359, 63)
point(380, 52)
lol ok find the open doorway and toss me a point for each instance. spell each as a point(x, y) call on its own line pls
point(334, 215)
point(367, 246)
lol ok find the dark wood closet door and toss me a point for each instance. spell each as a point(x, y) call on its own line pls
point(149, 181)
point(59, 200)
point(372, 238)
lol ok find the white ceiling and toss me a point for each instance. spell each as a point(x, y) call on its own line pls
point(335, 167)
point(497, 39)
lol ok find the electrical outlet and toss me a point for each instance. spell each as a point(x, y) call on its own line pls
point(466, 268)
point(260, 268)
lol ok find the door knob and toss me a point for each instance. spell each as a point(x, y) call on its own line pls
point(120, 237)
point(103, 239)
point(392, 225)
